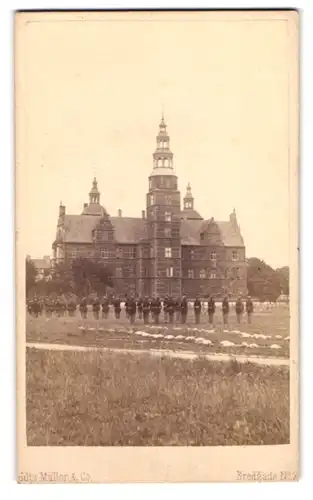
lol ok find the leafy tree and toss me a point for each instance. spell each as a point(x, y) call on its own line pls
point(262, 280)
point(31, 273)
point(283, 275)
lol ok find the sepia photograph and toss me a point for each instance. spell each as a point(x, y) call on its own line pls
point(157, 234)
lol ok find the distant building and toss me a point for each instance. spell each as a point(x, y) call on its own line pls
point(168, 250)
point(43, 267)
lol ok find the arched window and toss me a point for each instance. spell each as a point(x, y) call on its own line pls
point(202, 273)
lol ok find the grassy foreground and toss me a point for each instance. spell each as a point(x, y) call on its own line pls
point(99, 399)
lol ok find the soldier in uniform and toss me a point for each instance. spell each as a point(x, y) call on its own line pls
point(105, 307)
point(125, 304)
point(249, 308)
point(58, 307)
point(156, 307)
point(146, 305)
point(96, 308)
point(139, 307)
point(131, 309)
point(117, 307)
point(183, 309)
point(239, 307)
point(83, 308)
point(171, 309)
point(165, 308)
point(71, 307)
point(211, 309)
point(177, 309)
point(225, 311)
point(197, 309)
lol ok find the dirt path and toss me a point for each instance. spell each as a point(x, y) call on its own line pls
point(162, 352)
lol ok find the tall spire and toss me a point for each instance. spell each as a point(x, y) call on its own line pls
point(188, 199)
point(163, 157)
point(94, 195)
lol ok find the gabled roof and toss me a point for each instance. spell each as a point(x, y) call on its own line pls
point(78, 228)
point(41, 264)
point(128, 229)
point(230, 233)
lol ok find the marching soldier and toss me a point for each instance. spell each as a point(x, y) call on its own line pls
point(211, 309)
point(131, 309)
point(197, 309)
point(170, 309)
point(225, 311)
point(183, 309)
point(117, 307)
point(146, 305)
point(239, 307)
point(139, 307)
point(96, 308)
point(249, 308)
point(105, 308)
point(83, 308)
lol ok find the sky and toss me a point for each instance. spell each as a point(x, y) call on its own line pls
point(93, 93)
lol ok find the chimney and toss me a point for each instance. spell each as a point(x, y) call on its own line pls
point(119, 212)
point(143, 214)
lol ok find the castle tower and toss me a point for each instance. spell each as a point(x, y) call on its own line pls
point(188, 199)
point(94, 195)
point(163, 220)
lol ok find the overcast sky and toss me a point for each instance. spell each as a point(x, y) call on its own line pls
point(94, 96)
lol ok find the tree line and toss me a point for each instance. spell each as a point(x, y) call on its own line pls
point(84, 276)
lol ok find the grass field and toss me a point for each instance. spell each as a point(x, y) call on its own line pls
point(99, 399)
point(268, 335)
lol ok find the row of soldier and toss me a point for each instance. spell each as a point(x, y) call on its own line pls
point(144, 308)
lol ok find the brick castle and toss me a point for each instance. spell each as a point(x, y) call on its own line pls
point(169, 250)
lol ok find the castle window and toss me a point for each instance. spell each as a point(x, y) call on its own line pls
point(74, 254)
point(169, 272)
point(104, 254)
point(168, 253)
point(118, 272)
point(190, 273)
point(192, 253)
point(167, 232)
point(168, 216)
point(202, 273)
point(212, 275)
point(234, 255)
point(213, 255)
point(168, 200)
point(150, 183)
point(152, 199)
point(119, 253)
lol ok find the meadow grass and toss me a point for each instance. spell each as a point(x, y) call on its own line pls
point(109, 399)
point(114, 333)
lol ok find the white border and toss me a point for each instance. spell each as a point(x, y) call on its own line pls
point(7, 349)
